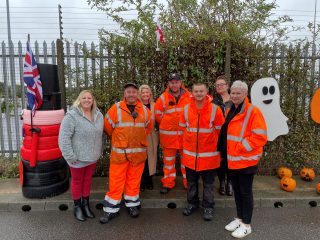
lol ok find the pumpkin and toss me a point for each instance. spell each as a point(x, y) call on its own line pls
point(307, 174)
point(315, 106)
point(288, 184)
point(284, 172)
point(318, 187)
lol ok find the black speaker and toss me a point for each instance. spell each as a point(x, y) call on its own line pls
point(50, 102)
point(49, 77)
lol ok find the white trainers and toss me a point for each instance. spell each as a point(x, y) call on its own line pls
point(241, 231)
point(233, 225)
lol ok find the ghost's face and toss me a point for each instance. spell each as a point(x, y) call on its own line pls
point(266, 92)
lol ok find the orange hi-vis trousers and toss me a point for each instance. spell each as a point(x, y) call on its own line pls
point(124, 179)
point(169, 167)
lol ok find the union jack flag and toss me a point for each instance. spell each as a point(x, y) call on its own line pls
point(159, 33)
point(31, 77)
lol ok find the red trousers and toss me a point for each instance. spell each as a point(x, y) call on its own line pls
point(81, 179)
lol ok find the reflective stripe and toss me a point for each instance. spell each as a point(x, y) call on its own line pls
point(169, 167)
point(146, 116)
point(184, 175)
point(172, 110)
point(246, 145)
point(204, 154)
point(158, 112)
point(129, 124)
point(163, 102)
point(239, 158)
point(186, 117)
point(201, 130)
point(111, 210)
point(217, 127)
point(134, 198)
point(132, 204)
point(119, 112)
point(171, 132)
point(170, 158)
point(182, 166)
point(170, 175)
point(245, 122)
point(234, 138)
point(259, 131)
point(128, 150)
point(182, 124)
point(109, 120)
point(112, 201)
point(213, 114)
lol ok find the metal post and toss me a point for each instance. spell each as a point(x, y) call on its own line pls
point(62, 81)
point(60, 21)
point(8, 22)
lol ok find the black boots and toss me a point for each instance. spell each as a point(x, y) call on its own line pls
point(107, 216)
point(189, 210)
point(78, 214)
point(229, 188)
point(133, 211)
point(86, 208)
point(82, 209)
point(222, 189)
point(226, 188)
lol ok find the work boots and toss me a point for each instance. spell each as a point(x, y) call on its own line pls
point(229, 188)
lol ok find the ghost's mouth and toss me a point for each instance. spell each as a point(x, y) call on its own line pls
point(267, 101)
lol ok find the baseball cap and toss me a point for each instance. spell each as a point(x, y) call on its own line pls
point(174, 76)
point(130, 85)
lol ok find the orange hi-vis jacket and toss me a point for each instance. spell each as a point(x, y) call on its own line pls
point(167, 115)
point(128, 135)
point(247, 134)
point(201, 130)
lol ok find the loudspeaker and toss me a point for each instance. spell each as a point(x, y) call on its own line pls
point(49, 77)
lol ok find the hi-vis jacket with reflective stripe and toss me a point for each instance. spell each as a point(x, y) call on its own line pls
point(167, 114)
point(247, 134)
point(201, 130)
point(128, 135)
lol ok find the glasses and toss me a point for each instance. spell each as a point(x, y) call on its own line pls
point(219, 85)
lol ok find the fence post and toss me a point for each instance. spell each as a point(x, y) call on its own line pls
point(93, 64)
point(14, 94)
point(76, 53)
point(6, 93)
point(21, 75)
point(62, 80)
point(69, 67)
point(45, 54)
point(85, 63)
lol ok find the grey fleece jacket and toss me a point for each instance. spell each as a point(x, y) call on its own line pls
point(80, 140)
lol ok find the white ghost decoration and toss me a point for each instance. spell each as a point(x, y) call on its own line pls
point(265, 94)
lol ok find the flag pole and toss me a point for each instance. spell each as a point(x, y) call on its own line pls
point(31, 113)
point(157, 49)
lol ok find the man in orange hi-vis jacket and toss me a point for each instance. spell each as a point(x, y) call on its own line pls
point(127, 123)
point(201, 122)
point(168, 109)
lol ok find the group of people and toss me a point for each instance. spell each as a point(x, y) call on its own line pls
point(224, 135)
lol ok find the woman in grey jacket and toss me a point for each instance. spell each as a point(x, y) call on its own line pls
point(80, 141)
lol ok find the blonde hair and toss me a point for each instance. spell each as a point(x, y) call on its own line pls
point(145, 86)
point(77, 104)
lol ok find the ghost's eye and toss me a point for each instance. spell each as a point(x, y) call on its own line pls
point(265, 90)
point(272, 90)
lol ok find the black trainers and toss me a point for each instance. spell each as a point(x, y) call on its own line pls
point(189, 210)
point(107, 216)
point(133, 211)
point(208, 214)
point(164, 190)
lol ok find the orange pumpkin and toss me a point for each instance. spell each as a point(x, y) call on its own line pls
point(288, 184)
point(284, 172)
point(307, 174)
point(318, 187)
point(315, 106)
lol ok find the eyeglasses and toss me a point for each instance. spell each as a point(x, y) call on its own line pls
point(219, 85)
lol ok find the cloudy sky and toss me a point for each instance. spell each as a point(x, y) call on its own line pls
point(81, 23)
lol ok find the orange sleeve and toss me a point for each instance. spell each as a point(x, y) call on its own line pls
point(159, 109)
point(149, 121)
point(182, 121)
point(110, 120)
point(218, 120)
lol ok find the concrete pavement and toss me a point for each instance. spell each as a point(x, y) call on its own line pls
point(267, 193)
